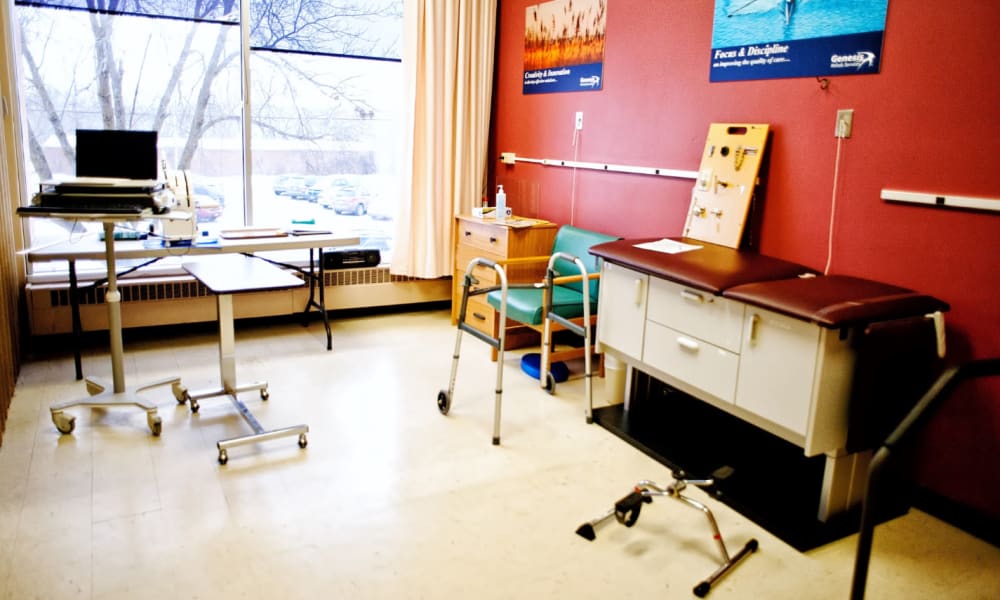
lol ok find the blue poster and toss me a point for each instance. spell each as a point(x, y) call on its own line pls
point(564, 46)
point(769, 39)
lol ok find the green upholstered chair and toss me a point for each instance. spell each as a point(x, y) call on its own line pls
point(565, 300)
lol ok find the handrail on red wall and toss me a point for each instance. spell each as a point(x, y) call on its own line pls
point(510, 158)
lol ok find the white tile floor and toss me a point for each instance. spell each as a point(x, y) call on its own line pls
point(390, 499)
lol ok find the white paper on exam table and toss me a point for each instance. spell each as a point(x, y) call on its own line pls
point(668, 246)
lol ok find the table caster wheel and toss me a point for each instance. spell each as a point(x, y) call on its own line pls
point(193, 404)
point(155, 423)
point(223, 457)
point(303, 442)
point(550, 383)
point(444, 402)
point(181, 393)
point(264, 394)
point(63, 423)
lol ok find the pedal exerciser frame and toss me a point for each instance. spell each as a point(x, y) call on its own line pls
point(626, 511)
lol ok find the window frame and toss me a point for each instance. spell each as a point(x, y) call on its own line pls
point(246, 143)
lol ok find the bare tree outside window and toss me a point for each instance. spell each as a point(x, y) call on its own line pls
point(324, 82)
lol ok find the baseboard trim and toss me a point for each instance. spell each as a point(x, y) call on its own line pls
point(969, 520)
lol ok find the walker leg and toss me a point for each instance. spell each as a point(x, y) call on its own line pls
point(444, 396)
point(499, 388)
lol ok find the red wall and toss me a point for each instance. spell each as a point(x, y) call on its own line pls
point(930, 121)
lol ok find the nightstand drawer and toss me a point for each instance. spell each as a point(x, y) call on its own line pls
point(485, 275)
point(481, 315)
point(699, 314)
point(485, 236)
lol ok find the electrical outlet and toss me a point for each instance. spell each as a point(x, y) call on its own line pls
point(845, 123)
point(578, 123)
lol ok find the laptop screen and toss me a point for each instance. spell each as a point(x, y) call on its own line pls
point(116, 153)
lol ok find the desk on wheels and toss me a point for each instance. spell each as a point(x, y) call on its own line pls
point(110, 250)
point(225, 276)
point(119, 395)
point(90, 248)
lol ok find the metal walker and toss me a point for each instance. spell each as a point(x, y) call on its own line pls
point(626, 511)
point(545, 378)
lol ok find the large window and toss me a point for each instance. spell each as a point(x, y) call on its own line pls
point(325, 81)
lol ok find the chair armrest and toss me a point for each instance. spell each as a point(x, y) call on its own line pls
point(522, 260)
point(572, 278)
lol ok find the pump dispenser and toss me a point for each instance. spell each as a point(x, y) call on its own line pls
point(501, 207)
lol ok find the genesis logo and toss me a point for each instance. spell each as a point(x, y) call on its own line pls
point(858, 60)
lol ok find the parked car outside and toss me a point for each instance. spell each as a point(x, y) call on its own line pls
point(346, 200)
point(283, 184)
point(208, 202)
point(317, 186)
point(299, 187)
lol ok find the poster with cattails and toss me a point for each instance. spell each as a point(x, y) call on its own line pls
point(769, 39)
point(564, 46)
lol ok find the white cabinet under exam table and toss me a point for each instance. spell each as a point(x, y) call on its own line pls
point(746, 334)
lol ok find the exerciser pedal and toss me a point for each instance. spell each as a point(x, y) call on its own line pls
point(626, 511)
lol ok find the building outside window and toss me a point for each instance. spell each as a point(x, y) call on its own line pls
point(321, 87)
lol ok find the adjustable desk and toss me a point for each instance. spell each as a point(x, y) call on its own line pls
point(97, 389)
point(89, 248)
point(225, 276)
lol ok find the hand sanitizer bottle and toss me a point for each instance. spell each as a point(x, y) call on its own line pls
point(501, 208)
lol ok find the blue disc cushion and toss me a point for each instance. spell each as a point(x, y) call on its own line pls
point(531, 364)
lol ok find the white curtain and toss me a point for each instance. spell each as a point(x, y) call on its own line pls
point(448, 58)
point(11, 266)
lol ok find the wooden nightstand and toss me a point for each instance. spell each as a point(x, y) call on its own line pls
point(476, 237)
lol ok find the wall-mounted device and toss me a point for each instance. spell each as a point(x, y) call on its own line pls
point(727, 178)
point(845, 123)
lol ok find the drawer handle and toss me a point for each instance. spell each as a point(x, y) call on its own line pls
point(468, 233)
point(754, 320)
point(692, 296)
point(493, 240)
point(687, 344)
point(479, 316)
point(638, 292)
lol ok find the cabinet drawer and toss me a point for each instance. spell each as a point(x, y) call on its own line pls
point(485, 275)
point(485, 236)
point(691, 360)
point(699, 314)
point(481, 315)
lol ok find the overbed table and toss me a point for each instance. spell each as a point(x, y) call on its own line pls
point(225, 276)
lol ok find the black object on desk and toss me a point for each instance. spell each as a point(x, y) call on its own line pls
point(351, 259)
point(78, 211)
point(224, 276)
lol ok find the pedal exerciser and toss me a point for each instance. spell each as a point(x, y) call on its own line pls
point(626, 511)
